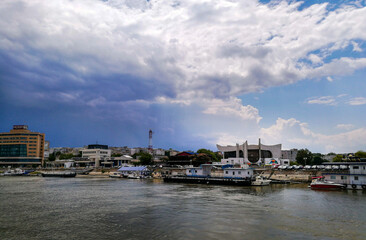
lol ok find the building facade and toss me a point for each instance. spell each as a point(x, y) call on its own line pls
point(96, 153)
point(353, 177)
point(21, 147)
point(254, 154)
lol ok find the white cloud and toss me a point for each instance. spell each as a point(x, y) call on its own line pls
point(232, 107)
point(345, 126)
point(356, 47)
point(326, 100)
point(357, 101)
point(211, 49)
point(293, 133)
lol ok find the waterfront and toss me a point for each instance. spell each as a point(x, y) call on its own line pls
point(104, 208)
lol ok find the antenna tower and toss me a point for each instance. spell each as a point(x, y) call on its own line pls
point(150, 140)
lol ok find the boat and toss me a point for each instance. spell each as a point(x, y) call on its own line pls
point(16, 172)
point(261, 181)
point(133, 176)
point(321, 183)
point(59, 174)
point(115, 175)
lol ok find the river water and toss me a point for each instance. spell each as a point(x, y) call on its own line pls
point(104, 208)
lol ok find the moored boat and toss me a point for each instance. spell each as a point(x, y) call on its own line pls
point(59, 174)
point(260, 181)
point(320, 183)
point(115, 175)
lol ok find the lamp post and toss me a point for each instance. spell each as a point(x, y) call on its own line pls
point(305, 158)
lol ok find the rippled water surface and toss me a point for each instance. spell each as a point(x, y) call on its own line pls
point(103, 208)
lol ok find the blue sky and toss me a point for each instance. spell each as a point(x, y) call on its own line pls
point(198, 73)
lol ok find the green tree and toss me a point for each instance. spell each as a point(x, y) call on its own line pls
point(145, 158)
point(317, 159)
point(116, 155)
point(66, 156)
point(360, 154)
point(338, 158)
point(52, 157)
point(304, 157)
point(201, 159)
point(209, 153)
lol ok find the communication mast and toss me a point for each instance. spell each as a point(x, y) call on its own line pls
point(150, 141)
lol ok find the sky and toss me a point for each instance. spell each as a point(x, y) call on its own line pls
point(196, 72)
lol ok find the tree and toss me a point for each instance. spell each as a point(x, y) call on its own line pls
point(209, 153)
point(145, 158)
point(116, 155)
point(338, 158)
point(52, 157)
point(66, 156)
point(317, 159)
point(360, 154)
point(304, 157)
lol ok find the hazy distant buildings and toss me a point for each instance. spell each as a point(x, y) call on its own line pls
point(21, 147)
point(289, 154)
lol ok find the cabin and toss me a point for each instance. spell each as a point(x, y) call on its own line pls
point(238, 173)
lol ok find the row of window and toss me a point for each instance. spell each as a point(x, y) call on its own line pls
point(343, 177)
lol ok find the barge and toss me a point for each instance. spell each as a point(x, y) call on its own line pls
point(59, 174)
point(210, 180)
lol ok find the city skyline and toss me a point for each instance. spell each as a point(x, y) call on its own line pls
point(198, 73)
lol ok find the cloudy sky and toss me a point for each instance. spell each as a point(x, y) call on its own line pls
point(196, 72)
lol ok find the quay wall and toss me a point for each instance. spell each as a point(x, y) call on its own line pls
point(292, 175)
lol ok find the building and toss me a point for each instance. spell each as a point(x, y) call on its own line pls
point(21, 147)
point(289, 154)
point(255, 154)
point(96, 153)
point(351, 174)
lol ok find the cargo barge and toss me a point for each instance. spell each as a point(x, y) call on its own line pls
point(210, 180)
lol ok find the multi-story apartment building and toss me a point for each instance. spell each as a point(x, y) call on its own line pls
point(20, 147)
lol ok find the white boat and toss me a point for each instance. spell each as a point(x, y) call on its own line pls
point(115, 175)
point(321, 183)
point(133, 176)
point(16, 172)
point(261, 181)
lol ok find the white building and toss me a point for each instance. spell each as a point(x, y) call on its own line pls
point(238, 173)
point(354, 177)
point(203, 171)
point(244, 153)
point(96, 153)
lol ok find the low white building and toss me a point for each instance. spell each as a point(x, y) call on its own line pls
point(354, 177)
point(238, 173)
point(203, 171)
point(96, 153)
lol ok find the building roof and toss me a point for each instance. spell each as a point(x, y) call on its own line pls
point(141, 168)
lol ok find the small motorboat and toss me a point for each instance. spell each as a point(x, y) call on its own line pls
point(321, 183)
point(133, 176)
point(115, 175)
point(261, 181)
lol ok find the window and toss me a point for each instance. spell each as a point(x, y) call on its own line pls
point(233, 173)
point(356, 178)
point(227, 172)
point(239, 172)
point(189, 170)
point(355, 167)
point(195, 171)
point(343, 177)
point(333, 177)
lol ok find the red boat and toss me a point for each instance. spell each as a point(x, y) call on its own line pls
point(321, 183)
